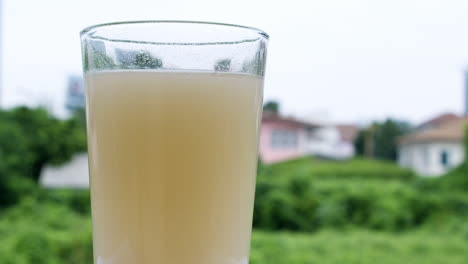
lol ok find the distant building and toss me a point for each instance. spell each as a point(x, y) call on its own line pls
point(437, 144)
point(283, 138)
point(75, 96)
point(436, 147)
point(332, 141)
point(73, 174)
point(286, 138)
point(438, 121)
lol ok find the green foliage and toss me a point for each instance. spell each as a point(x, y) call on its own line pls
point(44, 233)
point(306, 195)
point(76, 200)
point(358, 168)
point(79, 116)
point(386, 136)
point(380, 139)
point(13, 188)
point(358, 247)
point(47, 139)
point(29, 139)
point(455, 180)
point(272, 106)
point(361, 140)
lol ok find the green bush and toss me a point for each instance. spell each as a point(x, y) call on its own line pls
point(350, 169)
point(358, 247)
point(77, 200)
point(44, 233)
point(306, 195)
point(456, 179)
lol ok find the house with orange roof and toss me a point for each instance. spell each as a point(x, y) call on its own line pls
point(436, 146)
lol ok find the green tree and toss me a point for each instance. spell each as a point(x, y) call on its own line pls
point(14, 155)
point(79, 115)
point(379, 140)
point(31, 138)
point(272, 106)
point(359, 142)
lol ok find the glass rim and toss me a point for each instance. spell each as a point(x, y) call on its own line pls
point(110, 24)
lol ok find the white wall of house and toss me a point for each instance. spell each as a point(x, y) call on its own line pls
point(303, 141)
point(431, 158)
point(73, 174)
point(326, 141)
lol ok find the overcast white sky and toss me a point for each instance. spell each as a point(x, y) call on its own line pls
point(347, 60)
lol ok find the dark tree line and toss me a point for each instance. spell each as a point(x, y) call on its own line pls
point(380, 139)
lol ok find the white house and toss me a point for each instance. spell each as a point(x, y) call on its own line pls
point(332, 141)
point(436, 147)
point(283, 138)
point(72, 174)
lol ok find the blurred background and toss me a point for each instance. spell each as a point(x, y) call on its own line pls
point(363, 139)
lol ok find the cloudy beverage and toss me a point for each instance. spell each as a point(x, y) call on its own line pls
point(173, 159)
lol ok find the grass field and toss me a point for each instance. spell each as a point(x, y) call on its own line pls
point(359, 247)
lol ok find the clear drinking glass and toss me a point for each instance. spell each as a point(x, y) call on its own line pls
point(173, 115)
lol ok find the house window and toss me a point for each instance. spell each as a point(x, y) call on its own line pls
point(445, 158)
point(284, 139)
